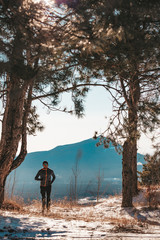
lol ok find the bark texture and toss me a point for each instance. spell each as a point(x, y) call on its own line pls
point(134, 169)
point(13, 129)
point(2, 188)
point(129, 161)
point(127, 175)
point(133, 127)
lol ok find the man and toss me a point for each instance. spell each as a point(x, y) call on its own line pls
point(47, 177)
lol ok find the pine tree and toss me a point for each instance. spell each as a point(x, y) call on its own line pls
point(150, 174)
point(117, 43)
point(33, 66)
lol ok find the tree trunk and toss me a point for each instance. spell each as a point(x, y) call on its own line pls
point(134, 169)
point(11, 129)
point(129, 172)
point(133, 126)
point(2, 188)
point(127, 175)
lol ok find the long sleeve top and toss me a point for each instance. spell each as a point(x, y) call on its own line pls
point(46, 176)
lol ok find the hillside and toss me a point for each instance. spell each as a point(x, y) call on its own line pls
point(62, 160)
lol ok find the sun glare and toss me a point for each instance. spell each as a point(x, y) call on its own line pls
point(47, 2)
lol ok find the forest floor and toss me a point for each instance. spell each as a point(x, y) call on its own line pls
point(85, 220)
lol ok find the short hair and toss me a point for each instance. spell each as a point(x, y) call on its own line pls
point(45, 162)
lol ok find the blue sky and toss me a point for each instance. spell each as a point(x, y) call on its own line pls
point(62, 128)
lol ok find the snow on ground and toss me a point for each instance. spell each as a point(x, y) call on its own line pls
point(87, 220)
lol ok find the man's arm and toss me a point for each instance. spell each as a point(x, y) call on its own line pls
point(53, 177)
point(37, 176)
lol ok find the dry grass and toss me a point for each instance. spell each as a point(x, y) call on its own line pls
point(10, 204)
point(127, 229)
point(116, 195)
point(127, 222)
point(70, 210)
point(65, 211)
point(128, 225)
point(113, 197)
point(65, 203)
point(148, 197)
point(153, 196)
point(60, 203)
point(90, 217)
point(122, 221)
point(16, 203)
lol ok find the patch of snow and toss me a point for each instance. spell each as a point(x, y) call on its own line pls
point(87, 220)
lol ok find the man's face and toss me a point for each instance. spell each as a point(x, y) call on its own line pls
point(45, 165)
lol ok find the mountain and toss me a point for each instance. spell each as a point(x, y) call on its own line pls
point(92, 161)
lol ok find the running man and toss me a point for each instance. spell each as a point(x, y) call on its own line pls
point(47, 177)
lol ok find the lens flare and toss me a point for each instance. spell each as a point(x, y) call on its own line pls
point(46, 2)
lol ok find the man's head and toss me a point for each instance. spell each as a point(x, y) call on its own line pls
point(45, 164)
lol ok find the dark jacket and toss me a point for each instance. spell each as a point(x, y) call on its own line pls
point(46, 176)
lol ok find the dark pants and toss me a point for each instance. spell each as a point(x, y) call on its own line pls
point(46, 191)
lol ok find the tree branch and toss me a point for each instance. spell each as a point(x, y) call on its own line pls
point(69, 89)
point(124, 92)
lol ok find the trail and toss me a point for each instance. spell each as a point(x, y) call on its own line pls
point(105, 220)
